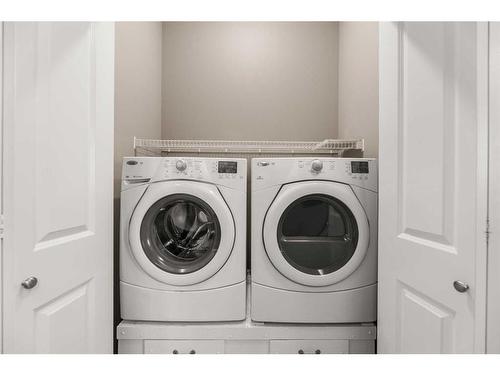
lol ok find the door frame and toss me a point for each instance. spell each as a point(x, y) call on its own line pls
point(493, 298)
point(1, 187)
point(481, 256)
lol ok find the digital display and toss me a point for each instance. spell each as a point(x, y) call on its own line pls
point(227, 167)
point(359, 167)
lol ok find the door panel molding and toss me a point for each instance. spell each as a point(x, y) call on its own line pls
point(438, 321)
point(50, 338)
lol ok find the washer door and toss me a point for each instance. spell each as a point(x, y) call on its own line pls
point(181, 233)
point(316, 233)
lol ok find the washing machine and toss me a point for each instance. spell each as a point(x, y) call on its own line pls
point(314, 240)
point(183, 239)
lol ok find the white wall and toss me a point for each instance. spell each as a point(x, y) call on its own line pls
point(137, 87)
point(358, 83)
point(250, 80)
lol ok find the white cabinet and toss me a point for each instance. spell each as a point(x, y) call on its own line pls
point(244, 338)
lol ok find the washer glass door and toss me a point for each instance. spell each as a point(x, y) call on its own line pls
point(317, 234)
point(180, 233)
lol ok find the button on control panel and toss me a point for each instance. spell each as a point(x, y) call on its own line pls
point(316, 166)
point(181, 165)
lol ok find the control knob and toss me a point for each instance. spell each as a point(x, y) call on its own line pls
point(317, 165)
point(181, 165)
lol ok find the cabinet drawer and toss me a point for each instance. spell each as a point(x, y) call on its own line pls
point(309, 346)
point(183, 346)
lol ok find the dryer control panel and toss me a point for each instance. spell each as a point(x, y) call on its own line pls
point(361, 172)
point(228, 172)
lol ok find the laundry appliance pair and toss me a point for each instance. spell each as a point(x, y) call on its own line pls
point(313, 239)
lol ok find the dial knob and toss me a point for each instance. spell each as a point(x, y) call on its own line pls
point(180, 165)
point(317, 165)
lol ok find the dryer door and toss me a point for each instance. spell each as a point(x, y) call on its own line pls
point(181, 232)
point(316, 233)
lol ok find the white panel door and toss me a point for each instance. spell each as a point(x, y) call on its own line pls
point(433, 187)
point(58, 174)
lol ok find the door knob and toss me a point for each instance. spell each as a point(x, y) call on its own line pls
point(460, 286)
point(30, 282)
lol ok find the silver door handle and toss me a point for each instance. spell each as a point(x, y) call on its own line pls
point(30, 282)
point(460, 286)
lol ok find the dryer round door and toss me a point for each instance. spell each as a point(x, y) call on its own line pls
point(181, 233)
point(316, 233)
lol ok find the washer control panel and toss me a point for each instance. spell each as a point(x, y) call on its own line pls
point(273, 171)
point(315, 167)
point(230, 172)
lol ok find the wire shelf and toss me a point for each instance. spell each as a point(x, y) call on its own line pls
point(332, 147)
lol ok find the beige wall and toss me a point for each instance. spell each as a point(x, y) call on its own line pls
point(292, 81)
point(137, 87)
point(302, 81)
point(275, 81)
point(137, 105)
point(358, 83)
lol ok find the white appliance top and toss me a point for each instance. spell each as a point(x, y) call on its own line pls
point(267, 172)
point(229, 172)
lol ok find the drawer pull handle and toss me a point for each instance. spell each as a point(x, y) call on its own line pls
point(317, 351)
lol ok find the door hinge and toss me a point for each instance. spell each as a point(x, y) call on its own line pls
point(487, 232)
point(1, 226)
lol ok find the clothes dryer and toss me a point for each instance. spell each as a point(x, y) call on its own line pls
point(314, 240)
